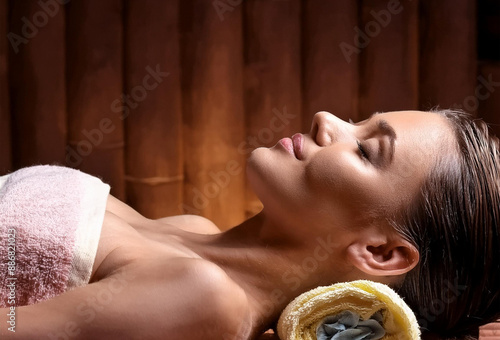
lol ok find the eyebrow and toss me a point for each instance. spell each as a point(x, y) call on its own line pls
point(388, 130)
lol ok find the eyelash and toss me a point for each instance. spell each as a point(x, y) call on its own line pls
point(360, 147)
point(362, 150)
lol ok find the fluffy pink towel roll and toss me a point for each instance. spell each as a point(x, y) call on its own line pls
point(50, 224)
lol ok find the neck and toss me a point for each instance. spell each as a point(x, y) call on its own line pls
point(272, 266)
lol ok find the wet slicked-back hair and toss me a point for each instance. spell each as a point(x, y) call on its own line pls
point(454, 223)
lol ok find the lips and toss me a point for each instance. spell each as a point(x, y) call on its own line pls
point(293, 145)
point(287, 143)
point(298, 145)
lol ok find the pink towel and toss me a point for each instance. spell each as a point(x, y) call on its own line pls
point(50, 224)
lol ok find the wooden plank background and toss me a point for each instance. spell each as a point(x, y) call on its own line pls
point(330, 80)
point(37, 85)
point(389, 61)
point(152, 114)
point(94, 57)
point(448, 58)
point(273, 75)
point(164, 100)
point(213, 112)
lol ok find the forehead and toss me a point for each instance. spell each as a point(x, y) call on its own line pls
point(428, 127)
point(422, 118)
point(423, 138)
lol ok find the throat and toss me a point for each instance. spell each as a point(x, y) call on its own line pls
point(271, 271)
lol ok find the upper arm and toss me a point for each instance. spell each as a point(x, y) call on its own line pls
point(212, 305)
point(188, 301)
point(67, 316)
point(227, 308)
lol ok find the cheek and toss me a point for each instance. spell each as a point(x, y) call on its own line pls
point(341, 176)
point(404, 180)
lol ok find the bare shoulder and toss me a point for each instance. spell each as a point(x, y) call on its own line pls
point(226, 303)
point(192, 223)
point(205, 300)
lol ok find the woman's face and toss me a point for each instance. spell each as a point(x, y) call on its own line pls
point(344, 174)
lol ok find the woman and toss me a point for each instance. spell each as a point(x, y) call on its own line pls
point(410, 199)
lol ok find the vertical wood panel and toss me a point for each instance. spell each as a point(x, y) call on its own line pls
point(5, 146)
point(388, 56)
point(448, 52)
point(154, 171)
point(212, 60)
point(94, 58)
point(273, 75)
point(36, 71)
point(330, 63)
point(488, 94)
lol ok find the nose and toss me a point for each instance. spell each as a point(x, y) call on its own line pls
point(326, 129)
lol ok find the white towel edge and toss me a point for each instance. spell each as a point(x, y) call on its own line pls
point(88, 232)
point(3, 179)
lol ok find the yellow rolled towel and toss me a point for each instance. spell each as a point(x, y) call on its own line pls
point(325, 308)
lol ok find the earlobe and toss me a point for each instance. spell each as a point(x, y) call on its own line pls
point(386, 258)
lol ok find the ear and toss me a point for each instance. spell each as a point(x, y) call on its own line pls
point(381, 256)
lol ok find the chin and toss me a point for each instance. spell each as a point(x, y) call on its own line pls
point(274, 179)
point(255, 170)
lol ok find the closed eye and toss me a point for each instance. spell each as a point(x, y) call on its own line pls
point(362, 150)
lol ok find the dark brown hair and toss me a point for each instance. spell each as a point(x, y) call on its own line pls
point(454, 223)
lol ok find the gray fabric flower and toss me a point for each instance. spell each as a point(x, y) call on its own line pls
point(348, 325)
